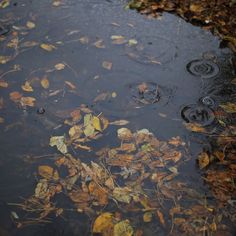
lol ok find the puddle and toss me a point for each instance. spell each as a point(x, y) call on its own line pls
point(166, 75)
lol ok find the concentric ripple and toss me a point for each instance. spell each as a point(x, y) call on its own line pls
point(204, 69)
point(133, 98)
point(197, 114)
point(208, 101)
point(152, 50)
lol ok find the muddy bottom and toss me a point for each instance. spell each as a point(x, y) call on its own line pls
point(156, 74)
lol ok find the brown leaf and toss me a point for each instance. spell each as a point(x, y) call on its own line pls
point(203, 160)
point(3, 84)
point(70, 85)
point(195, 128)
point(27, 87)
point(107, 65)
point(161, 218)
point(48, 172)
point(84, 40)
point(104, 224)
point(15, 96)
point(27, 101)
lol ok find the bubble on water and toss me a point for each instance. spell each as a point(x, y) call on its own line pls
point(201, 115)
point(204, 69)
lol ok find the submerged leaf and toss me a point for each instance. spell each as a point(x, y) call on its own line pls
point(123, 228)
point(229, 107)
point(27, 87)
point(47, 47)
point(203, 160)
point(107, 65)
point(104, 224)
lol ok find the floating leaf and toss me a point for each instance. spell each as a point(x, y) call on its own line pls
point(27, 87)
point(195, 128)
point(30, 24)
point(27, 101)
point(104, 224)
point(203, 160)
point(123, 228)
point(118, 39)
point(47, 47)
point(59, 142)
point(132, 42)
point(60, 66)
point(119, 122)
point(97, 123)
point(84, 40)
point(4, 3)
point(45, 82)
point(48, 172)
point(122, 194)
point(70, 85)
point(5, 59)
point(147, 217)
point(3, 84)
point(107, 65)
point(75, 132)
point(124, 134)
point(15, 96)
point(229, 107)
point(161, 218)
point(99, 44)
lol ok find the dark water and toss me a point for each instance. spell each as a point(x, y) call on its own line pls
point(182, 65)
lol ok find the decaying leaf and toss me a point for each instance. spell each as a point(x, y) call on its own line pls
point(27, 101)
point(59, 142)
point(48, 172)
point(229, 107)
point(45, 82)
point(27, 87)
point(122, 194)
point(195, 128)
point(104, 224)
point(161, 218)
point(203, 160)
point(124, 134)
point(107, 65)
point(15, 96)
point(147, 217)
point(123, 228)
point(119, 122)
point(60, 66)
point(84, 40)
point(47, 47)
point(3, 84)
point(30, 24)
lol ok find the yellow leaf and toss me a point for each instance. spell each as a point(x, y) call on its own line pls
point(60, 66)
point(107, 65)
point(30, 25)
point(48, 172)
point(229, 107)
point(147, 217)
point(203, 160)
point(97, 123)
point(104, 224)
point(45, 83)
point(4, 59)
point(47, 47)
point(27, 87)
point(75, 132)
point(123, 228)
point(4, 3)
point(59, 142)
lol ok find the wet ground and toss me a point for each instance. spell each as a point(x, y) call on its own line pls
point(160, 75)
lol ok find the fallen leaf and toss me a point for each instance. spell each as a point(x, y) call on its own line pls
point(119, 122)
point(3, 84)
point(132, 42)
point(123, 228)
point(27, 87)
point(99, 44)
point(47, 47)
point(45, 82)
point(15, 96)
point(48, 172)
point(122, 194)
point(4, 3)
point(27, 101)
point(124, 134)
point(75, 132)
point(203, 160)
point(97, 123)
point(195, 128)
point(229, 107)
point(70, 85)
point(147, 217)
point(161, 218)
point(30, 24)
point(5, 59)
point(118, 39)
point(59, 142)
point(104, 224)
point(84, 40)
point(60, 66)
point(107, 65)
